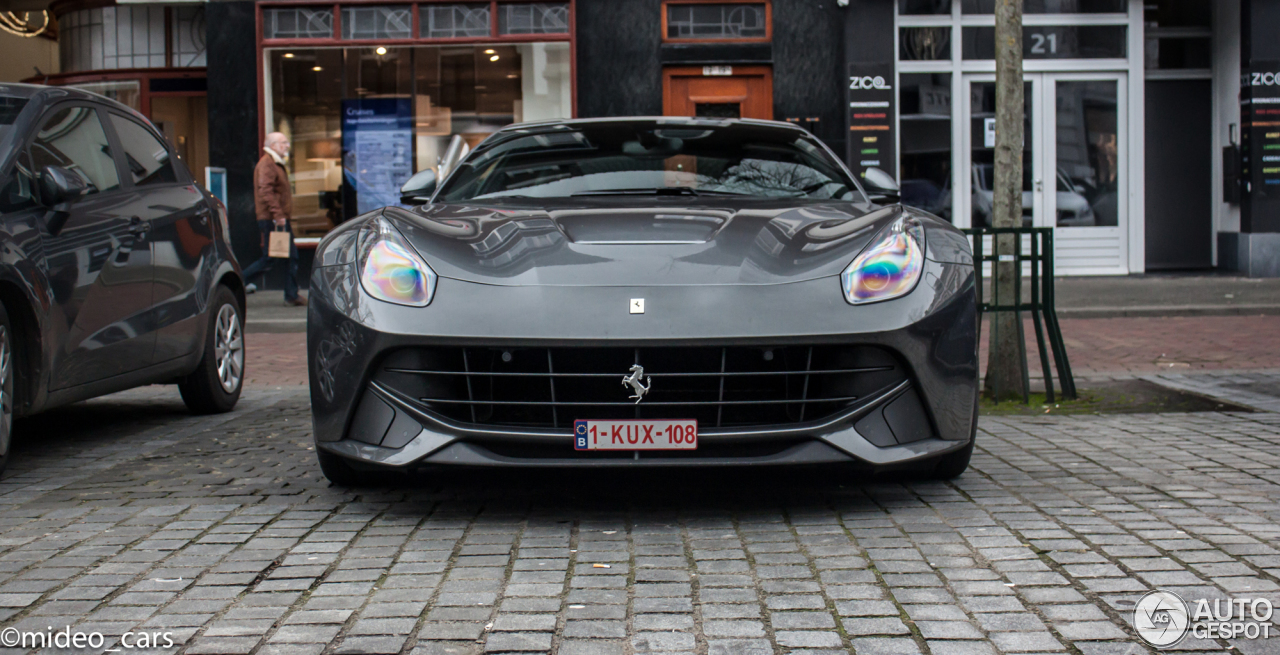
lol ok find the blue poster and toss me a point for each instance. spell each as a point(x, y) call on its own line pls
point(377, 149)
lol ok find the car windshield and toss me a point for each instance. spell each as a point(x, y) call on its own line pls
point(653, 159)
point(10, 107)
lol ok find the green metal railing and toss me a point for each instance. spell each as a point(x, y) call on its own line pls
point(1039, 260)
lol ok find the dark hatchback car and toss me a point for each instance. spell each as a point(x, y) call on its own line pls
point(115, 267)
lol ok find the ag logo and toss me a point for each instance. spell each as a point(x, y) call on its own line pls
point(868, 83)
point(1161, 618)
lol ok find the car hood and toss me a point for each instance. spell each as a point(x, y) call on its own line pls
point(609, 243)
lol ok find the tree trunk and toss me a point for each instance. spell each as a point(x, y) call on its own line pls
point(1006, 355)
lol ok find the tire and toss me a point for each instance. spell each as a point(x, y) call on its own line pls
point(338, 471)
point(215, 385)
point(8, 375)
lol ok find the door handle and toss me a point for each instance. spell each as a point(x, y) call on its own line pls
point(1039, 185)
point(202, 215)
point(138, 226)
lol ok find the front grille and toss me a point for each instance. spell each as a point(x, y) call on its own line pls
point(721, 387)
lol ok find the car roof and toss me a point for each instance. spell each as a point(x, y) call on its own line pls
point(39, 94)
point(633, 121)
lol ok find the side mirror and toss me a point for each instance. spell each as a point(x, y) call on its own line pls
point(418, 190)
point(881, 186)
point(59, 186)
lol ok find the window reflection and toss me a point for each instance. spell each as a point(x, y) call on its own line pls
point(1088, 155)
point(924, 43)
point(983, 155)
point(1051, 6)
point(925, 133)
point(465, 90)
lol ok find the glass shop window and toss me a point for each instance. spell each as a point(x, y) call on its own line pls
point(924, 43)
point(716, 21)
point(924, 164)
point(924, 7)
point(1178, 34)
point(417, 100)
point(1051, 6)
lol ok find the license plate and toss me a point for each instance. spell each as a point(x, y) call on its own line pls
point(635, 435)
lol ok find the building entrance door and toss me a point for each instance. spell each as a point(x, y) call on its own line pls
point(1075, 165)
point(718, 91)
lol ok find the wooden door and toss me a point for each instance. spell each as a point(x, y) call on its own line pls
point(718, 91)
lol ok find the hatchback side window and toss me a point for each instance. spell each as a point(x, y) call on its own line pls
point(146, 156)
point(19, 193)
point(73, 138)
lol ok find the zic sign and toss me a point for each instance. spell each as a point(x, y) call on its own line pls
point(868, 82)
point(1260, 79)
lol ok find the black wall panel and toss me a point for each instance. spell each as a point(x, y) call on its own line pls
point(619, 72)
point(808, 56)
point(233, 114)
point(1179, 178)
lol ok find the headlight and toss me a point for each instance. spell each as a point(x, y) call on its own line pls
point(888, 268)
point(390, 270)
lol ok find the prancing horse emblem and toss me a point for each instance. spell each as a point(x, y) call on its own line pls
point(636, 382)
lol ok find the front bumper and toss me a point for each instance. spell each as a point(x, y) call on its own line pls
point(932, 331)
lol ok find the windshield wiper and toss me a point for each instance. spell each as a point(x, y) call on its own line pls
point(653, 191)
point(659, 191)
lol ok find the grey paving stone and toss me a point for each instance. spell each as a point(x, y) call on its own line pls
point(732, 628)
point(884, 646)
point(371, 645)
point(592, 647)
point(595, 629)
point(503, 642)
point(655, 642)
point(739, 647)
point(807, 639)
point(876, 626)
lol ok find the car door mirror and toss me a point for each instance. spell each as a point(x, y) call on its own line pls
point(418, 190)
point(881, 186)
point(59, 186)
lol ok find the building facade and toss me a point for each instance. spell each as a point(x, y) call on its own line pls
point(1149, 125)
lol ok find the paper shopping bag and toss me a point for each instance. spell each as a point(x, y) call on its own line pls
point(278, 247)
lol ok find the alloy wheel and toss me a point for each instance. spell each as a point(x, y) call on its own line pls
point(228, 349)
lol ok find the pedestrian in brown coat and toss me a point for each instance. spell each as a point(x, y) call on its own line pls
point(273, 204)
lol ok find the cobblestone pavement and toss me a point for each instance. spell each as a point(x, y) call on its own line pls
point(125, 514)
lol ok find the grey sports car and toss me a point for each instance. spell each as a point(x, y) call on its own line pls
point(643, 292)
